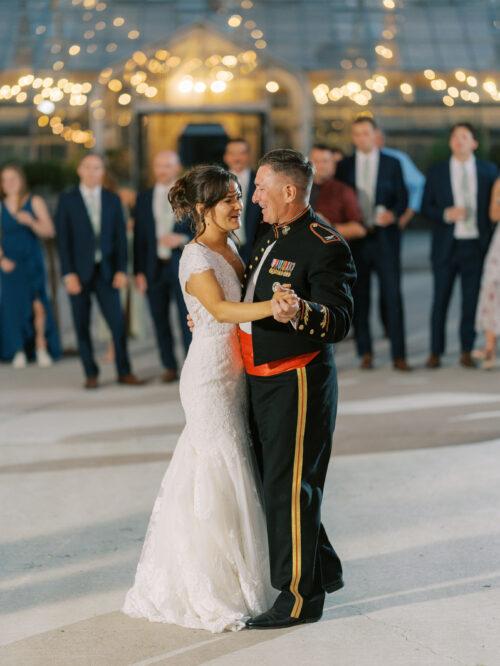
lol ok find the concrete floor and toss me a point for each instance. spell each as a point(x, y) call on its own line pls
point(411, 504)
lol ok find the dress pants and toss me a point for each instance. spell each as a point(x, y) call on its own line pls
point(109, 302)
point(466, 260)
point(374, 254)
point(292, 418)
point(159, 294)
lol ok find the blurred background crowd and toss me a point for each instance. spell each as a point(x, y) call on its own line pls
point(103, 104)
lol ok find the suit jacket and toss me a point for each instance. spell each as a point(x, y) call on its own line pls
point(76, 240)
point(251, 221)
point(390, 190)
point(145, 241)
point(337, 202)
point(438, 195)
point(318, 263)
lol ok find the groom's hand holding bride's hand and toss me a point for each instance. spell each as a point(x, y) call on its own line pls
point(285, 304)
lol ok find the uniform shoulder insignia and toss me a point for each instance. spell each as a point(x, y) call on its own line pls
point(325, 233)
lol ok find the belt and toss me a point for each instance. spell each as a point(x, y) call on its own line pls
point(273, 367)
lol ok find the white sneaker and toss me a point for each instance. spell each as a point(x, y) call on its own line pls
point(43, 359)
point(19, 361)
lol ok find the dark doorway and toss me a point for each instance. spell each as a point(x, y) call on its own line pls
point(202, 144)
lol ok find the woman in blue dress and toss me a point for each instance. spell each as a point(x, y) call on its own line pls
point(27, 326)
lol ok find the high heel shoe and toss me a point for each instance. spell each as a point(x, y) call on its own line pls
point(489, 360)
point(19, 361)
point(42, 358)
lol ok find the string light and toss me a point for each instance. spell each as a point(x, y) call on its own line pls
point(272, 86)
point(218, 86)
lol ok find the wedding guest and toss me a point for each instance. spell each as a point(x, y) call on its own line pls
point(488, 310)
point(413, 178)
point(333, 200)
point(93, 251)
point(238, 161)
point(158, 243)
point(378, 180)
point(27, 324)
point(414, 182)
point(132, 301)
point(456, 200)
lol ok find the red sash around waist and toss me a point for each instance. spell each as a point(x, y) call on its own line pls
point(273, 367)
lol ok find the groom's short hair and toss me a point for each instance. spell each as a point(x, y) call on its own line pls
point(291, 163)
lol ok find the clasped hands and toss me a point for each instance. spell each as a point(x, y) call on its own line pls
point(455, 214)
point(172, 240)
point(74, 286)
point(385, 218)
point(285, 304)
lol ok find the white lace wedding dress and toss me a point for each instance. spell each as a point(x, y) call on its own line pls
point(205, 563)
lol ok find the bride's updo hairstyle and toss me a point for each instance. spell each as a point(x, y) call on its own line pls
point(206, 184)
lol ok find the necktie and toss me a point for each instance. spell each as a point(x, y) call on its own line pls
point(165, 223)
point(365, 192)
point(467, 195)
point(93, 210)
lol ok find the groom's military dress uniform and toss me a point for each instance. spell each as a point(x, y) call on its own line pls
point(293, 399)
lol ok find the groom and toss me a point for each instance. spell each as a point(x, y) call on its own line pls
point(292, 381)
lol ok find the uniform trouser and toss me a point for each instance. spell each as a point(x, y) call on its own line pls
point(371, 256)
point(466, 260)
point(109, 301)
point(292, 420)
point(159, 296)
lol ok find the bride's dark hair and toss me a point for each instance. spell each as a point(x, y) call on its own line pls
point(205, 184)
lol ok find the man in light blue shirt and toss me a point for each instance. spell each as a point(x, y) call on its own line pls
point(413, 178)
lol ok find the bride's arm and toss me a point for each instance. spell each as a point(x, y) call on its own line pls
point(204, 287)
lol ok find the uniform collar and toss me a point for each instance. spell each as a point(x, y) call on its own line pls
point(283, 229)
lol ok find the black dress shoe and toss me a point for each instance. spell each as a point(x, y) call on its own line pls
point(274, 619)
point(130, 380)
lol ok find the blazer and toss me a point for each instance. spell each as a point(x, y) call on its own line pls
point(76, 240)
point(390, 190)
point(251, 221)
point(438, 195)
point(145, 241)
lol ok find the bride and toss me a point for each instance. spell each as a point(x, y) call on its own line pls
point(205, 562)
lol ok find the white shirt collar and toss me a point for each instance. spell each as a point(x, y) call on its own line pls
point(90, 191)
point(469, 164)
point(367, 156)
point(242, 174)
point(161, 187)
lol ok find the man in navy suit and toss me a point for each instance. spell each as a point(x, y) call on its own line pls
point(93, 252)
point(158, 243)
point(382, 195)
point(237, 160)
point(456, 200)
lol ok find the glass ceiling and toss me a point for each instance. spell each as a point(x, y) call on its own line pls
point(305, 34)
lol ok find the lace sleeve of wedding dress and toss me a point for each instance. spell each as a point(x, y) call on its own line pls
point(195, 259)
